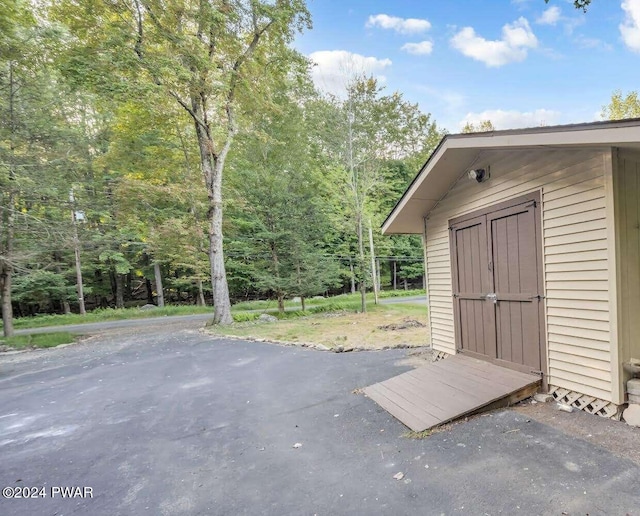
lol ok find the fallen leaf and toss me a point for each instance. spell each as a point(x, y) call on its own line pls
point(399, 475)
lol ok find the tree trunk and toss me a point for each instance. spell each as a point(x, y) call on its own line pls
point(66, 308)
point(128, 287)
point(76, 252)
point(7, 220)
point(201, 301)
point(5, 292)
point(147, 283)
point(353, 277)
point(395, 275)
point(159, 289)
point(302, 303)
point(212, 168)
point(119, 291)
point(406, 285)
point(374, 280)
point(362, 266)
point(281, 303)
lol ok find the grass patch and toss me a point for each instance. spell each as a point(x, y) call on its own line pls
point(318, 302)
point(240, 310)
point(418, 435)
point(336, 325)
point(40, 340)
point(106, 314)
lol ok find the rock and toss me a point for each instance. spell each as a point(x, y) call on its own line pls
point(407, 323)
point(543, 397)
point(633, 386)
point(4, 347)
point(399, 475)
point(338, 349)
point(632, 397)
point(148, 307)
point(632, 415)
point(297, 445)
point(267, 318)
point(564, 407)
point(322, 347)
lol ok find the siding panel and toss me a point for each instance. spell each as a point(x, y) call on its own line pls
point(576, 258)
point(627, 199)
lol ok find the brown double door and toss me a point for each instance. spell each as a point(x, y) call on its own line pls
point(497, 284)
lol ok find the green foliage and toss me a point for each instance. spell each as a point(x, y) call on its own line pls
point(622, 106)
point(481, 127)
point(41, 287)
point(579, 4)
point(39, 340)
point(93, 101)
point(116, 261)
point(280, 215)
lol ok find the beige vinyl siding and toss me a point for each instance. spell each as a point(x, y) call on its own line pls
point(627, 200)
point(575, 243)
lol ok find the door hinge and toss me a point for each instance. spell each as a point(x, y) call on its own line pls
point(537, 373)
point(538, 297)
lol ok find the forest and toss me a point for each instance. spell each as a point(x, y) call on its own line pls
point(178, 152)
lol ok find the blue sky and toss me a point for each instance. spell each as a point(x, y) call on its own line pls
point(517, 62)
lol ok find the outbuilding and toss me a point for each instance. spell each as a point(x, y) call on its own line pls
point(532, 253)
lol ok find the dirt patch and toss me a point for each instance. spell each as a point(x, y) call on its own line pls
point(615, 436)
point(417, 358)
point(407, 323)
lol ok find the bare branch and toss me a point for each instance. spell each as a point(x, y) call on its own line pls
point(189, 110)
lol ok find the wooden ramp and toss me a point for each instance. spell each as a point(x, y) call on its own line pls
point(449, 389)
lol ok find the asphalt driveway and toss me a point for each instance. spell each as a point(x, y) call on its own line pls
point(163, 420)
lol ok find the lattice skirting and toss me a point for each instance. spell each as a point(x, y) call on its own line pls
point(587, 403)
point(439, 355)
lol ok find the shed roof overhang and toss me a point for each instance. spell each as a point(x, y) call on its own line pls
point(457, 153)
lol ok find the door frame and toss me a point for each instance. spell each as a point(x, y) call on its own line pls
point(532, 197)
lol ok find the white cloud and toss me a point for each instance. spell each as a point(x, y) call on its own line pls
point(550, 16)
point(592, 43)
point(513, 119)
point(420, 49)
point(517, 37)
point(401, 25)
point(630, 29)
point(334, 68)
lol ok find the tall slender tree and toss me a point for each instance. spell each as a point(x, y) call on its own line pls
point(204, 55)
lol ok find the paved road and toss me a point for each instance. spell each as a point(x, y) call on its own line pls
point(173, 422)
point(410, 299)
point(85, 328)
point(169, 320)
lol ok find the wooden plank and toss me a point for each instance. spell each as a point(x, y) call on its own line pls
point(396, 410)
point(484, 366)
point(443, 391)
point(472, 385)
point(439, 394)
point(431, 398)
point(406, 399)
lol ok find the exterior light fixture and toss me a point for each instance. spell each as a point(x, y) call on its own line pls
point(479, 174)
